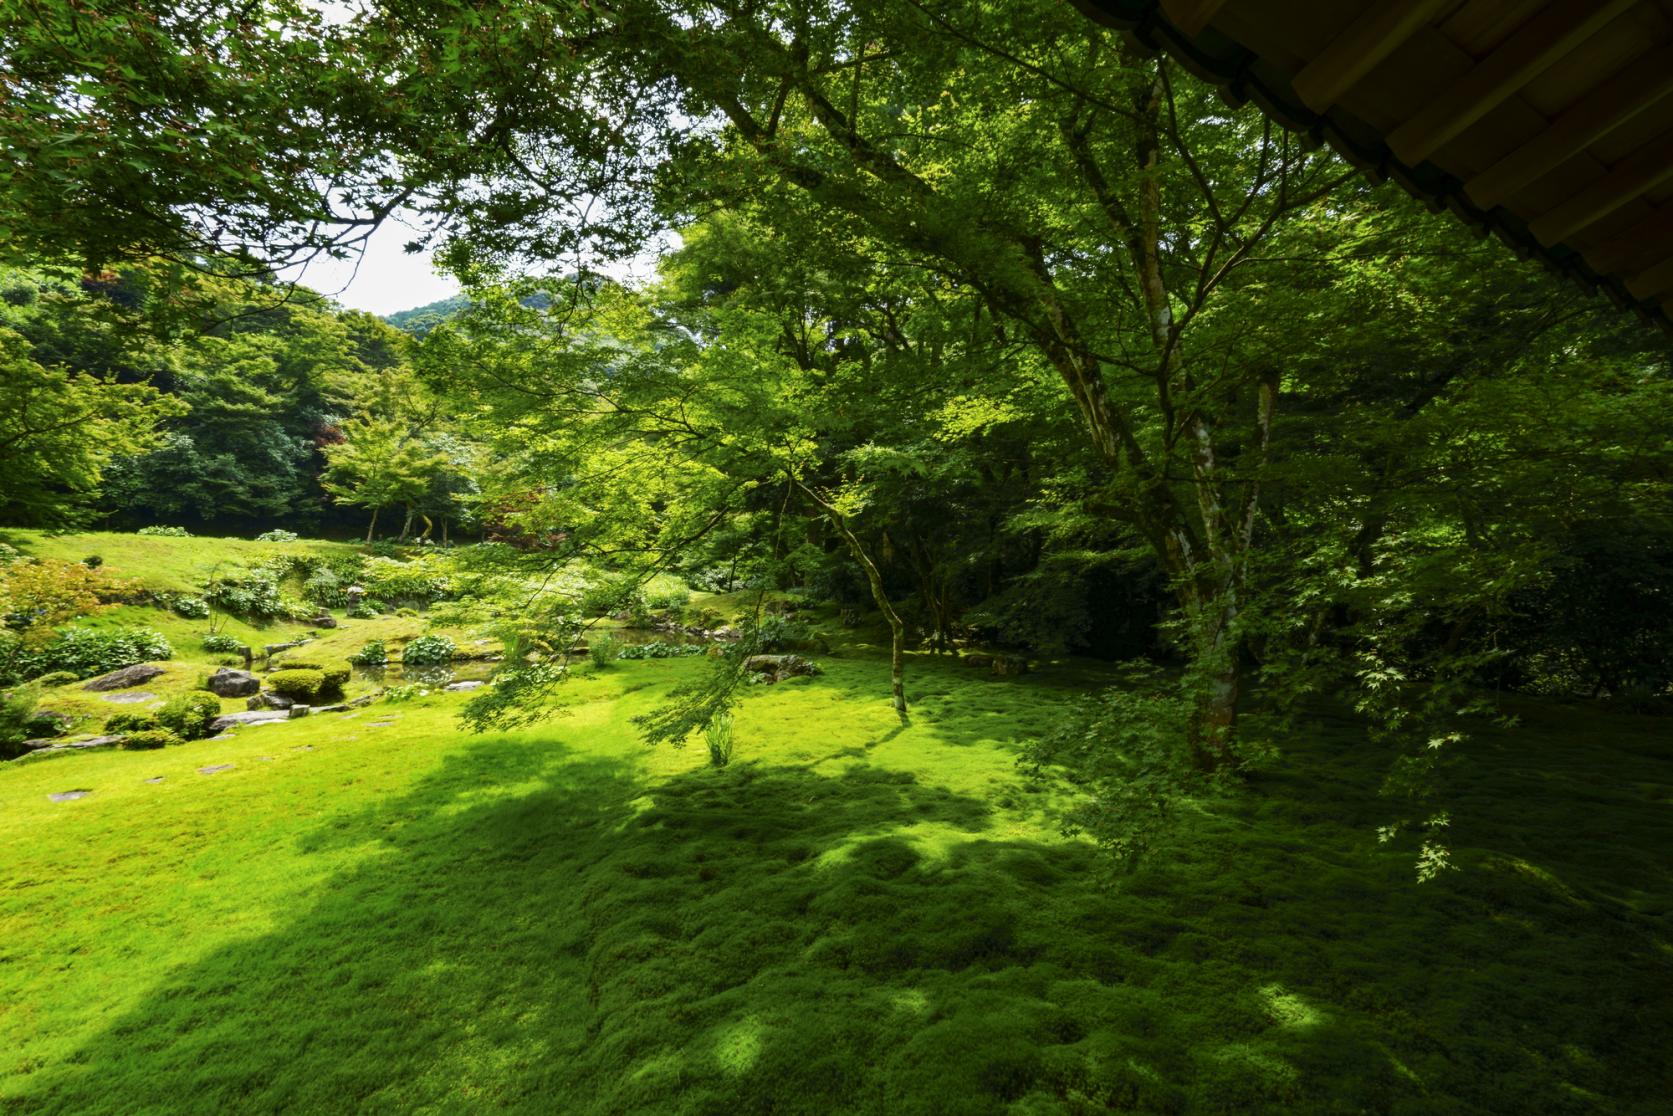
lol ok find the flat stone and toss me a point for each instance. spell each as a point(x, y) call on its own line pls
point(472, 684)
point(248, 717)
point(265, 759)
point(130, 698)
point(304, 748)
point(267, 699)
point(214, 767)
point(69, 796)
point(158, 779)
point(379, 724)
point(299, 710)
point(122, 679)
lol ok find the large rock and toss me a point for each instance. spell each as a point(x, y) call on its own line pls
point(136, 675)
point(228, 682)
point(267, 699)
point(249, 717)
point(776, 668)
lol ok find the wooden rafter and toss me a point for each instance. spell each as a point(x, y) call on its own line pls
point(1555, 31)
point(1649, 239)
point(1638, 87)
point(1653, 281)
point(1644, 170)
point(1191, 16)
point(1360, 47)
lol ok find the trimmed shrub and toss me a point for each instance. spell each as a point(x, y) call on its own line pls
point(325, 588)
point(147, 739)
point(188, 715)
point(363, 611)
point(428, 650)
point(130, 722)
point(57, 678)
point(371, 653)
point(673, 598)
point(297, 684)
point(288, 663)
point(92, 561)
point(167, 532)
point(277, 535)
point(222, 644)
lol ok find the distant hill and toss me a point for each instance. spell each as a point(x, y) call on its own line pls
point(422, 319)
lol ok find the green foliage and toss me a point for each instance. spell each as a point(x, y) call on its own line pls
point(150, 739)
point(1128, 751)
point(129, 722)
point(167, 532)
point(17, 710)
point(402, 693)
point(421, 581)
point(277, 535)
point(85, 652)
point(429, 650)
point(371, 653)
point(603, 649)
point(188, 715)
point(717, 734)
point(192, 608)
point(56, 678)
point(249, 593)
point(92, 561)
point(221, 643)
point(660, 649)
point(299, 683)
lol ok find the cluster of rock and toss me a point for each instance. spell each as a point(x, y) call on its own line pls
point(1000, 664)
point(776, 668)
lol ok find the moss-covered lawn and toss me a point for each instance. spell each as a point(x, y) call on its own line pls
point(855, 917)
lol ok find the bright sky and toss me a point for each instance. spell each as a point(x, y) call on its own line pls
point(382, 280)
point(385, 279)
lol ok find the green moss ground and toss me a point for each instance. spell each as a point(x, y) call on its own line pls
point(855, 917)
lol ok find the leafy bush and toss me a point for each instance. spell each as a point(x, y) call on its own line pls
point(336, 678)
point(416, 583)
point(277, 535)
point(371, 653)
point(717, 734)
point(167, 532)
point(17, 709)
point(365, 610)
point(673, 598)
point(188, 715)
point(253, 593)
point(297, 684)
point(780, 633)
point(192, 608)
point(40, 725)
point(148, 739)
point(428, 650)
point(221, 643)
point(85, 652)
point(603, 649)
point(660, 649)
point(56, 678)
point(402, 693)
point(325, 588)
point(92, 561)
point(130, 722)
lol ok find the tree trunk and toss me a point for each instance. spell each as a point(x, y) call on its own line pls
point(406, 525)
point(372, 527)
point(874, 576)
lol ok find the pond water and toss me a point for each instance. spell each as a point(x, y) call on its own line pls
point(466, 670)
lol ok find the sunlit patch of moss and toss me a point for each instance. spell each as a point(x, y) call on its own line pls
point(738, 1045)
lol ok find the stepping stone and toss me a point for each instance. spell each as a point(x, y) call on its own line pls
point(69, 796)
point(303, 748)
point(213, 768)
point(379, 724)
point(472, 684)
point(130, 697)
point(158, 779)
point(248, 717)
point(265, 759)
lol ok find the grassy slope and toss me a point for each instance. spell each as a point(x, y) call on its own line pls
point(854, 917)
